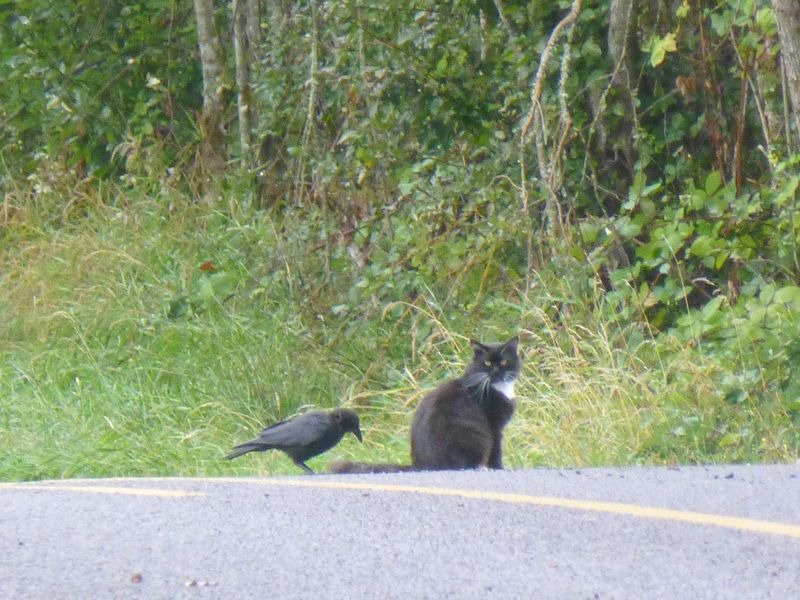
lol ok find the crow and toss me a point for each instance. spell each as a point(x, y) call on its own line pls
point(305, 436)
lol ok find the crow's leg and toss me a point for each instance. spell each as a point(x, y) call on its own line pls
point(304, 466)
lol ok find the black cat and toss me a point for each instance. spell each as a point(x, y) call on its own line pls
point(459, 425)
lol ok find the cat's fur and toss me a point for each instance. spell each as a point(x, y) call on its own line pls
point(459, 425)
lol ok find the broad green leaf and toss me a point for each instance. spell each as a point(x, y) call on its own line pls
point(713, 182)
point(590, 230)
point(788, 294)
point(627, 229)
point(767, 293)
point(698, 199)
point(591, 48)
point(660, 48)
point(635, 191)
point(701, 247)
point(650, 189)
point(757, 314)
point(365, 157)
point(682, 292)
point(649, 300)
point(648, 208)
point(657, 55)
point(765, 17)
point(205, 291)
point(721, 22)
point(441, 66)
point(787, 191)
point(222, 284)
point(577, 252)
point(406, 187)
point(712, 306)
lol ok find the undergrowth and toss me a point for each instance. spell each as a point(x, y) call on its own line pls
point(146, 336)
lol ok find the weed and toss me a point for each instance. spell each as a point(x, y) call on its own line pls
point(145, 339)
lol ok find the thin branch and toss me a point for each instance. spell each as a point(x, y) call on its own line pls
point(618, 67)
point(501, 12)
point(759, 108)
point(313, 81)
point(536, 127)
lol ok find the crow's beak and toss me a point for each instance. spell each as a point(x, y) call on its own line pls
point(357, 433)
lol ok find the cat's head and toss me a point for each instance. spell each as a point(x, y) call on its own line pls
point(495, 362)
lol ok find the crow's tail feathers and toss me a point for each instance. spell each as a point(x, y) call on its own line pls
point(346, 466)
point(243, 449)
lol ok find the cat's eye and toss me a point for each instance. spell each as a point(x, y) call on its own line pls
point(487, 363)
point(504, 362)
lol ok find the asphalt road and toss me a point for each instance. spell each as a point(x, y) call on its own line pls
point(641, 533)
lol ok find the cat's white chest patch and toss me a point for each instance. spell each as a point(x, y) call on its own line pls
point(506, 388)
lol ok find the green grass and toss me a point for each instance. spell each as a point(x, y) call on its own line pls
point(121, 356)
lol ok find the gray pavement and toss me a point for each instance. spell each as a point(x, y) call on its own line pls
point(690, 532)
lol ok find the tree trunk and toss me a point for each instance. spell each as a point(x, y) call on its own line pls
point(787, 13)
point(621, 39)
point(309, 128)
point(212, 146)
point(245, 39)
point(621, 47)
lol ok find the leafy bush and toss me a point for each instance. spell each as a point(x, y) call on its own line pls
point(83, 77)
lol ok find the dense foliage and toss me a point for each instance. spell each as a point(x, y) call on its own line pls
point(438, 166)
point(86, 82)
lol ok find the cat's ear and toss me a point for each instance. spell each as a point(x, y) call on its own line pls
point(512, 344)
point(477, 347)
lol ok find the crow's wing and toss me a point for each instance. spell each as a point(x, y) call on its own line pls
point(299, 431)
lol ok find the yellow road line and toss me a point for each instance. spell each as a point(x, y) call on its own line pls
point(618, 508)
point(102, 489)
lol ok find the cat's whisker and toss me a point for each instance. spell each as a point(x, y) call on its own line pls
point(478, 384)
point(476, 380)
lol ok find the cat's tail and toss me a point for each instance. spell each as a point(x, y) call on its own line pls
point(346, 466)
